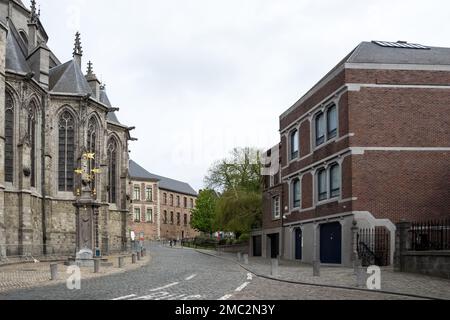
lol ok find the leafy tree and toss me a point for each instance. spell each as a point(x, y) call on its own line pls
point(203, 215)
point(238, 178)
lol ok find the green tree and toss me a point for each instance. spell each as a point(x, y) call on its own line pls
point(238, 179)
point(203, 215)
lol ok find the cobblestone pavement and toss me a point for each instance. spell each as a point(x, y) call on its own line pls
point(186, 274)
point(29, 275)
point(391, 281)
point(173, 273)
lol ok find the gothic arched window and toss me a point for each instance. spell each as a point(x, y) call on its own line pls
point(66, 161)
point(92, 146)
point(9, 138)
point(112, 166)
point(32, 135)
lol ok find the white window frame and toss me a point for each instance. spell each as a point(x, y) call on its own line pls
point(276, 203)
point(296, 131)
point(136, 214)
point(138, 197)
point(149, 199)
point(324, 112)
point(292, 197)
point(327, 169)
point(151, 215)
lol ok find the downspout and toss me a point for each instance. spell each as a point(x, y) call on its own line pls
point(43, 187)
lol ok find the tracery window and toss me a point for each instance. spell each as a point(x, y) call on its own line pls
point(9, 138)
point(112, 165)
point(66, 160)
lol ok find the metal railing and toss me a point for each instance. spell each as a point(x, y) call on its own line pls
point(374, 246)
point(430, 235)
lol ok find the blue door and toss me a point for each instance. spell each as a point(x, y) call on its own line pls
point(331, 243)
point(298, 244)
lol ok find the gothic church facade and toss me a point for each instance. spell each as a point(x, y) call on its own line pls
point(50, 114)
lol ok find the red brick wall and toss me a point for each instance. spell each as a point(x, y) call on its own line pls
point(402, 185)
point(268, 222)
point(400, 117)
point(410, 77)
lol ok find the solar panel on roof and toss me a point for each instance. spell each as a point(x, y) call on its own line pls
point(403, 45)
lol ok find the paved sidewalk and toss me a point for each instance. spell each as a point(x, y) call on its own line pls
point(29, 275)
point(403, 283)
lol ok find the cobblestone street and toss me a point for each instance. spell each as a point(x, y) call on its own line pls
point(186, 274)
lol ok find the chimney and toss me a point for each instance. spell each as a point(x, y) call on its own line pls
point(77, 51)
point(32, 27)
point(94, 83)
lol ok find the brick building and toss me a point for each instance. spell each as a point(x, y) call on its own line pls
point(50, 114)
point(161, 206)
point(369, 143)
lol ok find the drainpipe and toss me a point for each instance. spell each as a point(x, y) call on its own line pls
point(43, 187)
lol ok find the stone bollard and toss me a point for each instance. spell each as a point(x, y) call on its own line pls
point(54, 272)
point(143, 253)
point(138, 255)
point(239, 257)
point(356, 265)
point(121, 262)
point(316, 268)
point(96, 265)
point(246, 259)
point(361, 277)
point(274, 269)
point(133, 258)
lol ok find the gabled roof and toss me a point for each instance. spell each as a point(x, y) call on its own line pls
point(15, 55)
point(373, 52)
point(68, 78)
point(105, 100)
point(138, 172)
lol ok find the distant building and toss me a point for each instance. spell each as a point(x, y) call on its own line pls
point(370, 144)
point(161, 207)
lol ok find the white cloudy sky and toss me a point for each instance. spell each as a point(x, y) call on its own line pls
point(199, 77)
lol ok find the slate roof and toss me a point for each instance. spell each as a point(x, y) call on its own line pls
point(15, 52)
point(68, 78)
point(370, 52)
point(105, 100)
point(138, 172)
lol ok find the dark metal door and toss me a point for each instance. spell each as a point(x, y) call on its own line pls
point(331, 243)
point(257, 246)
point(275, 245)
point(298, 244)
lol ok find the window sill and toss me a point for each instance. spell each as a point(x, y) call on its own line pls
point(327, 201)
point(332, 140)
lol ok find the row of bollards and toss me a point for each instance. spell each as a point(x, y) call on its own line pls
point(242, 258)
point(137, 256)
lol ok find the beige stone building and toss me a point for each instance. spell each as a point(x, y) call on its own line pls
point(50, 114)
point(160, 207)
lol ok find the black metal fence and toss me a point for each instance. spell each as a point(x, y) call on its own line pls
point(430, 235)
point(374, 246)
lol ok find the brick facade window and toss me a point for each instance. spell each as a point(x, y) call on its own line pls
point(149, 215)
point(326, 125)
point(322, 184)
point(294, 145)
point(335, 181)
point(149, 194)
point(137, 215)
point(165, 198)
point(165, 217)
point(320, 129)
point(171, 200)
point(185, 202)
point(137, 193)
point(296, 195)
point(192, 203)
point(185, 219)
point(171, 218)
point(332, 122)
point(178, 218)
point(276, 212)
point(178, 202)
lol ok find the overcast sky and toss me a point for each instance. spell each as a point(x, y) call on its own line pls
point(199, 77)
